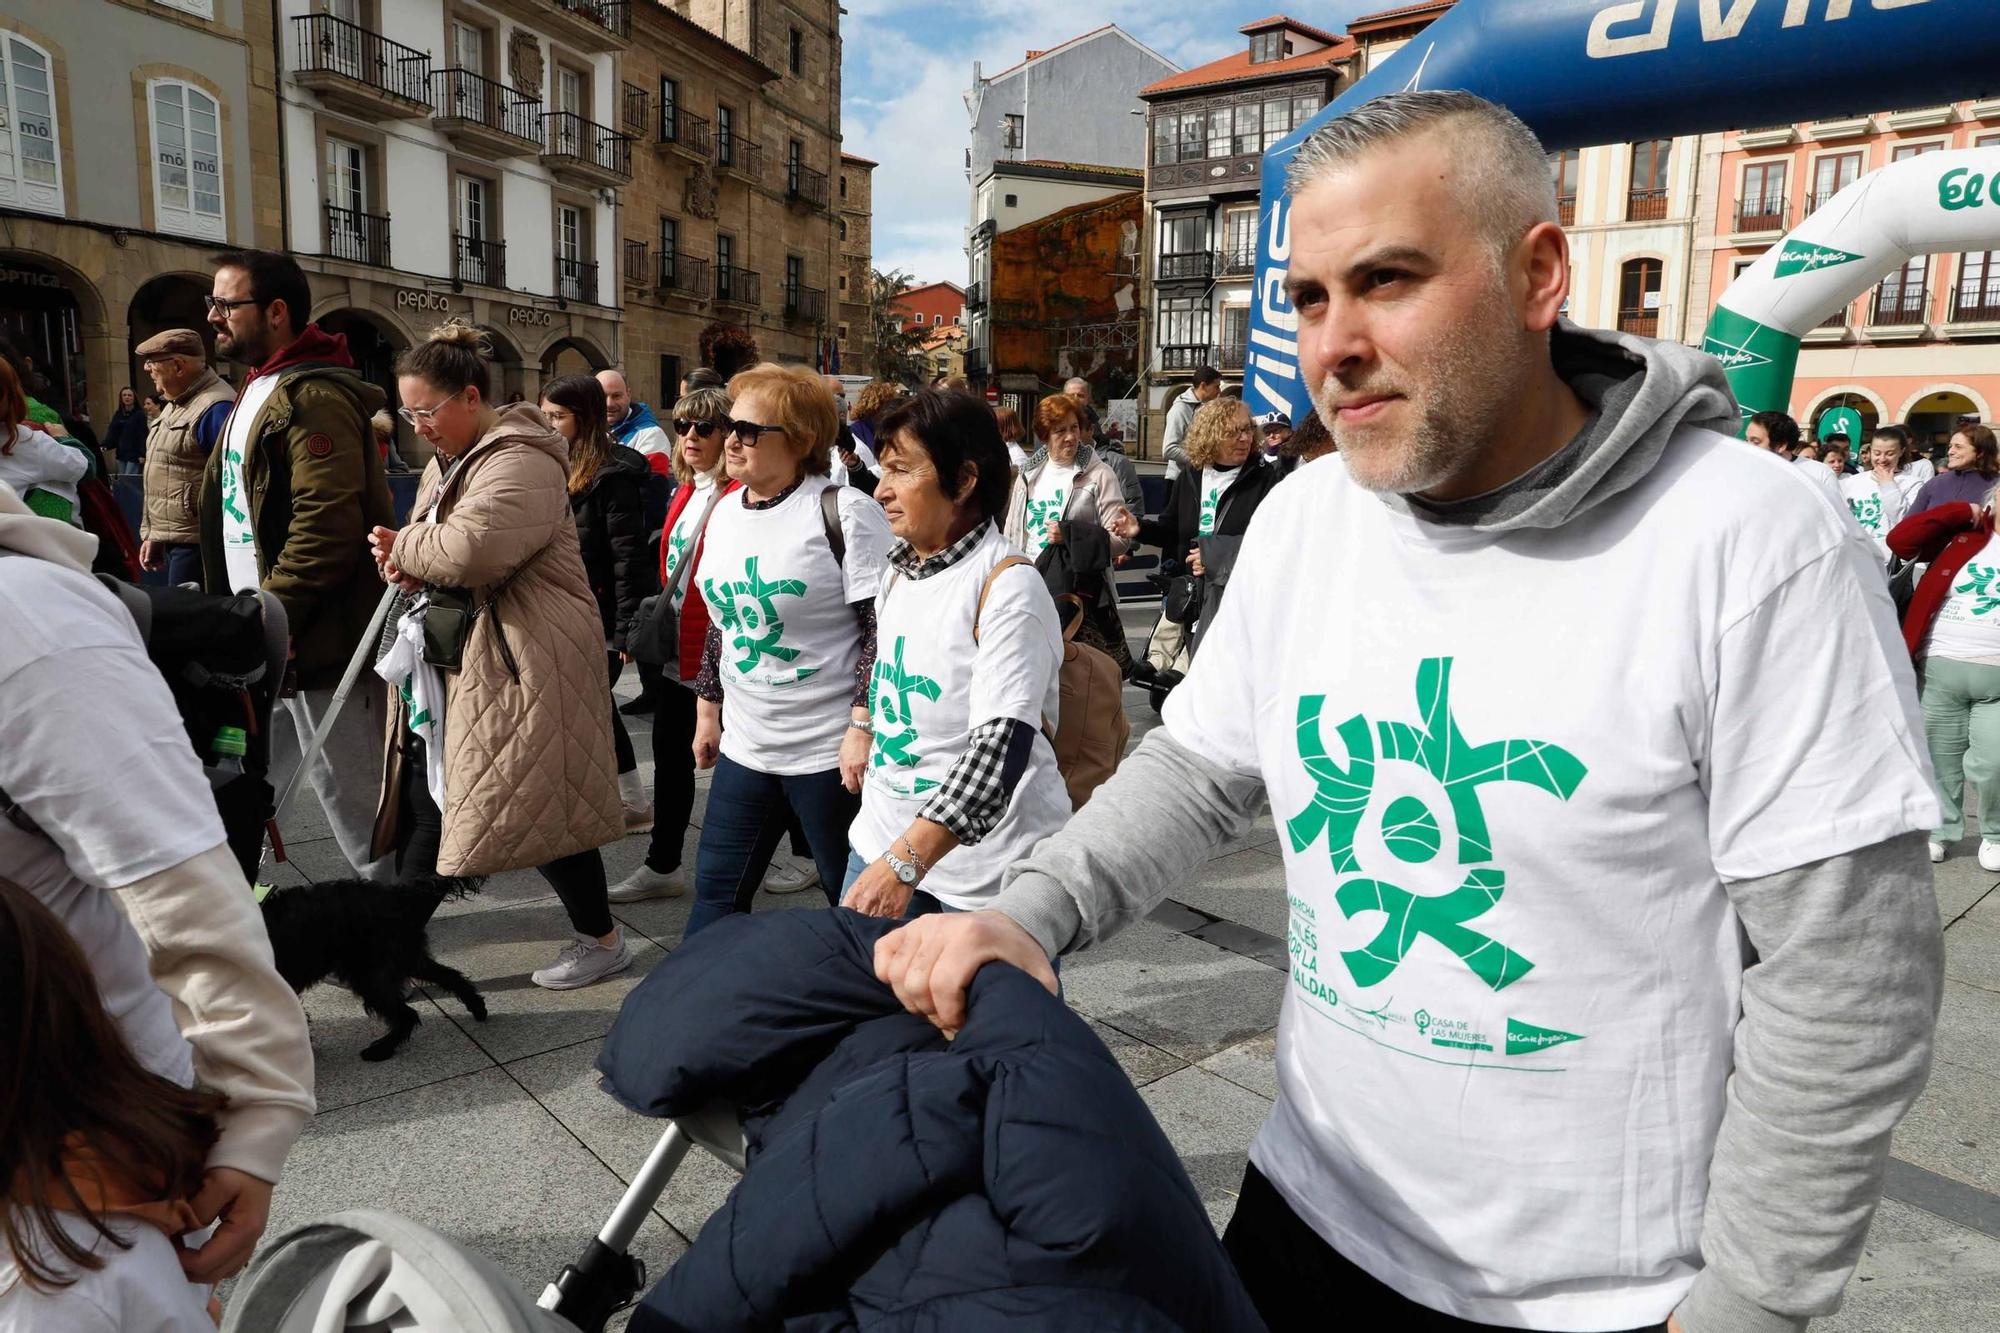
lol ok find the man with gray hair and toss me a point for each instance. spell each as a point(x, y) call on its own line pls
point(177, 448)
point(1596, 1019)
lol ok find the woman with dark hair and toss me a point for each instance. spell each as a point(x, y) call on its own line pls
point(606, 495)
point(526, 725)
point(125, 433)
point(961, 781)
point(1972, 463)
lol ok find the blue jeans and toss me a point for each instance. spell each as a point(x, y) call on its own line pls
point(183, 563)
point(748, 815)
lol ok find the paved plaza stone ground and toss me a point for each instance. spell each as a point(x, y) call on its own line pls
point(497, 1135)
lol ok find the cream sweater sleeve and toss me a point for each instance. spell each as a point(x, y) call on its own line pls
point(206, 945)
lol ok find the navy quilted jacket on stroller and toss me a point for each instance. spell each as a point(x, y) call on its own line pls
point(1010, 1179)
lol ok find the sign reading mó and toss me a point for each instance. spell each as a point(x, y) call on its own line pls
point(521, 314)
point(413, 298)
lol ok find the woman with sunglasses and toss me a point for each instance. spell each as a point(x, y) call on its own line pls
point(527, 720)
point(790, 572)
point(606, 497)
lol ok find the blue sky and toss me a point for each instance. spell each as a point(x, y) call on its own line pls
point(908, 63)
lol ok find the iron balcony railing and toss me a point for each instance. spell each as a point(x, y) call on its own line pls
point(479, 260)
point(743, 156)
point(1821, 198)
point(460, 94)
point(328, 45)
point(637, 271)
point(1234, 261)
point(614, 16)
point(570, 135)
point(635, 107)
point(1645, 205)
point(1229, 355)
point(802, 182)
point(1185, 356)
point(1976, 300)
point(576, 279)
point(739, 286)
point(1763, 214)
point(975, 296)
point(1196, 266)
point(1645, 323)
point(1837, 320)
point(684, 128)
point(805, 303)
point(361, 238)
point(686, 274)
point(1566, 210)
point(1900, 304)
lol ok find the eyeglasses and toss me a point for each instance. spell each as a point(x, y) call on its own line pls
point(701, 429)
point(418, 416)
point(216, 303)
point(748, 431)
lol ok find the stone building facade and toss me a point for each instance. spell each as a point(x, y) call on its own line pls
point(731, 213)
point(855, 230)
point(97, 259)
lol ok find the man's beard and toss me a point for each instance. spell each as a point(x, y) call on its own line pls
point(251, 348)
point(1458, 392)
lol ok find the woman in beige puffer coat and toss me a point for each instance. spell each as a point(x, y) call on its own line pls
point(530, 774)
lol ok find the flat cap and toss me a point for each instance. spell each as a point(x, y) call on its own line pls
point(174, 342)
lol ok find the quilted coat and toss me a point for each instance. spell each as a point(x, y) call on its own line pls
point(530, 774)
point(1009, 1180)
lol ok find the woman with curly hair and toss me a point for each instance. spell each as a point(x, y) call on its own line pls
point(870, 406)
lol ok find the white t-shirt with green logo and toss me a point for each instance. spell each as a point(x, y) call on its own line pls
point(1047, 501)
point(685, 534)
point(1215, 483)
point(790, 643)
point(239, 541)
point(933, 684)
point(1511, 775)
point(1877, 506)
point(1967, 627)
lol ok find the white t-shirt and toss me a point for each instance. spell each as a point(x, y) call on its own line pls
point(682, 540)
point(1214, 484)
point(139, 1290)
point(790, 643)
point(1046, 502)
point(933, 684)
point(1512, 773)
point(1967, 627)
point(239, 540)
point(1876, 505)
point(41, 461)
point(1017, 455)
point(1917, 471)
point(92, 749)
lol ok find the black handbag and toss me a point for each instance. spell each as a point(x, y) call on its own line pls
point(1902, 586)
point(448, 616)
point(1184, 598)
point(654, 636)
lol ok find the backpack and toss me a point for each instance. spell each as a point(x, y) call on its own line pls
point(1090, 734)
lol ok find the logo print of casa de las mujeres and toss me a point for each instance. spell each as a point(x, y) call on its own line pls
point(1411, 833)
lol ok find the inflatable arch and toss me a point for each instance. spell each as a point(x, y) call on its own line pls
point(1583, 72)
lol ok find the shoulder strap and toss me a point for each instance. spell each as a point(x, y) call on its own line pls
point(829, 515)
point(681, 574)
point(980, 611)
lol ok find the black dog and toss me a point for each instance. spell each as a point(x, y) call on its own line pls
point(369, 938)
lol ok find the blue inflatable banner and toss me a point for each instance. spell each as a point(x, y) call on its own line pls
point(1585, 72)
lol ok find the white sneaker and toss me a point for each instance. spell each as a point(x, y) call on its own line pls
point(638, 819)
point(646, 883)
point(582, 961)
point(1937, 852)
point(1989, 855)
point(789, 876)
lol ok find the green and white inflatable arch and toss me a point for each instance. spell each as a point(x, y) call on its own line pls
point(1937, 202)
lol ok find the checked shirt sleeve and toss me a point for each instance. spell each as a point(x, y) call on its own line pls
point(976, 791)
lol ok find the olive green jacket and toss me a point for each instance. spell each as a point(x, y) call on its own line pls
point(315, 486)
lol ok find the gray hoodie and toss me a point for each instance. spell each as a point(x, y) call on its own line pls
point(1844, 945)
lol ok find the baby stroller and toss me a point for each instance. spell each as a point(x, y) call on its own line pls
point(371, 1269)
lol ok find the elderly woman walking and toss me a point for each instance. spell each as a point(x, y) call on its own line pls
point(529, 777)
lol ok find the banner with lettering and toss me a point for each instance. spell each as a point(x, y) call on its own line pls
point(1584, 72)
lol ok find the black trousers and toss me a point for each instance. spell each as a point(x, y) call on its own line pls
point(1296, 1279)
point(578, 878)
point(621, 740)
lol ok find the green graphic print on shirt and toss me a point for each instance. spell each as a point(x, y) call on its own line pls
point(677, 546)
point(750, 614)
point(889, 694)
point(1982, 584)
point(1042, 512)
point(1867, 512)
point(1205, 527)
point(232, 486)
point(1412, 832)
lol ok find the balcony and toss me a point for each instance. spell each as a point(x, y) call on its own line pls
point(1767, 136)
point(684, 132)
point(1566, 210)
point(738, 286)
point(1840, 127)
point(1756, 216)
point(739, 157)
point(359, 238)
point(804, 185)
point(478, 260)
point(806, 304)
point(683, 274)
point(1820, 199)
point(1239, 262)
point(358, 71)
point(584, 152)
point(1832, 329)
point(1645, 205)
point(1185, 356)
point(1192, 266)
point(488, 118)
point(975, 296)
point(638, 272)
point(1230, 355)
point(1898, 311)
point(1978, 301)
point(1920, 117)
point(576, 279)
point(585, 25)
point(635, 109)
point(1645, 323)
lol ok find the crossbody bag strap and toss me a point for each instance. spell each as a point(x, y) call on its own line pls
point(979, 612)
point(680, 578)
point(829, 517)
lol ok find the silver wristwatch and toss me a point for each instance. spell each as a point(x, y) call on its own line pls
point(905, 872)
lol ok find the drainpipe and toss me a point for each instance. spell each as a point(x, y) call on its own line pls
point(284, 171)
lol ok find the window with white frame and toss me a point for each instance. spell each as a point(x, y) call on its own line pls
point(187, 160)
point(30, 140)
point(203, 9)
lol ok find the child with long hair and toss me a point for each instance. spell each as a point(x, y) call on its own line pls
point(100, 1156)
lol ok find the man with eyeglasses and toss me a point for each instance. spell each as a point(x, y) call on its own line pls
point(177, 448)
point(287, 503)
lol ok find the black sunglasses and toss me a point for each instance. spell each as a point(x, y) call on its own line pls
point(749, 431)
point(702, 429)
